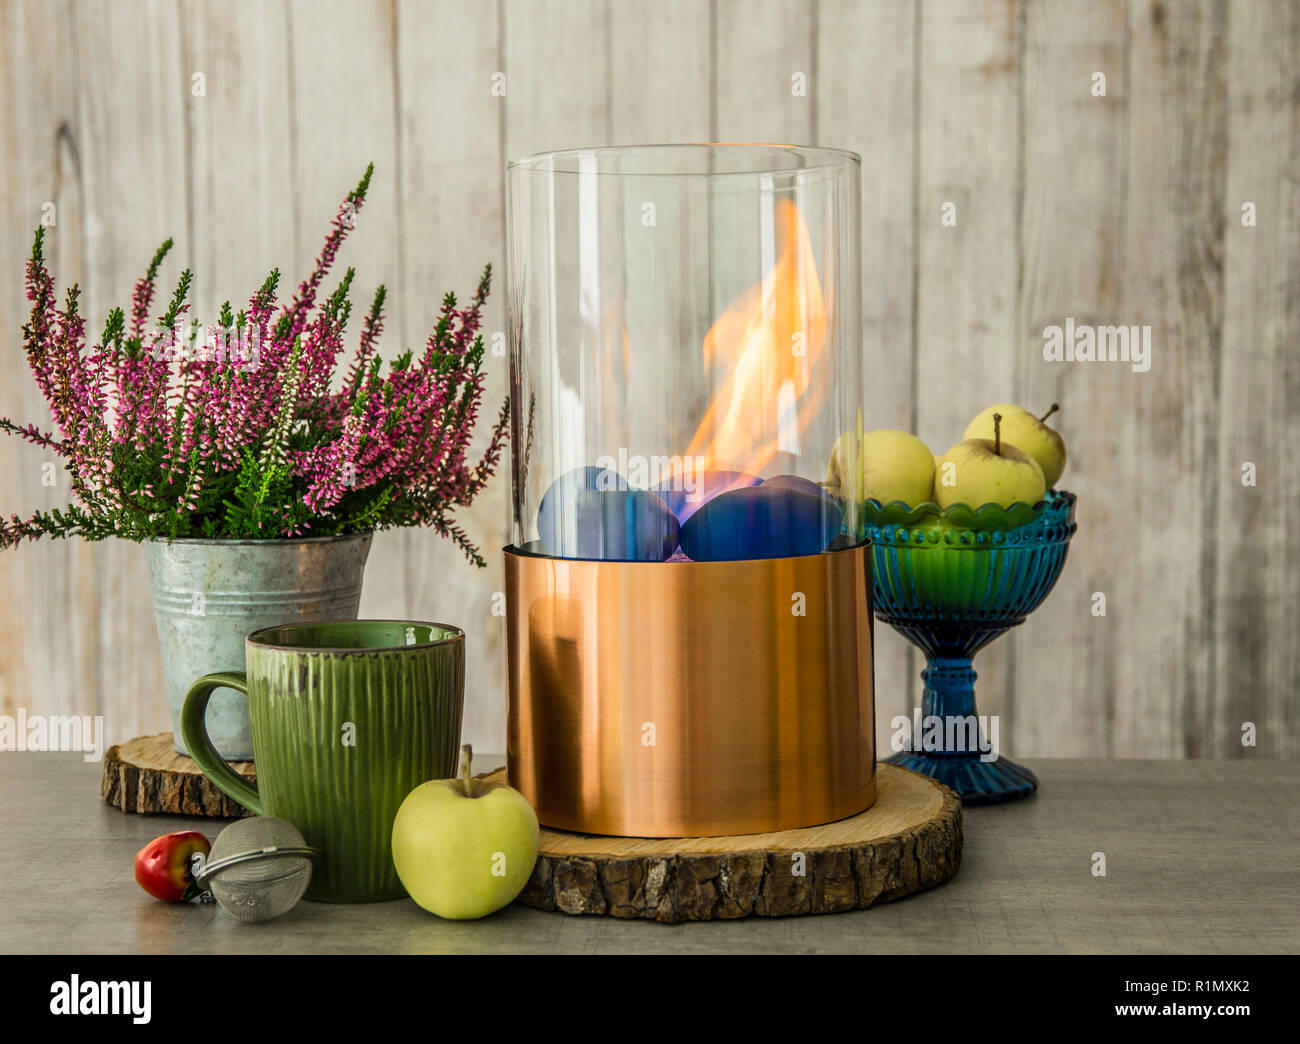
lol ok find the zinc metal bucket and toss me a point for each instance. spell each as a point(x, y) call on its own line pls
point(208, 595)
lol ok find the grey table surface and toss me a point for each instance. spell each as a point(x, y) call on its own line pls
point(1201, 857)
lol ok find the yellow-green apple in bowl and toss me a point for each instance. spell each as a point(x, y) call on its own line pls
point(883, 465)
point(1025, 432)
point(976, 472)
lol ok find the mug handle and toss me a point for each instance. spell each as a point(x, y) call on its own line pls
point(194, 729)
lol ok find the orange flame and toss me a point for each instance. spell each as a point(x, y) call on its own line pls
point(770, 340)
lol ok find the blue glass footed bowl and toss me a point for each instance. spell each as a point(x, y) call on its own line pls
point(951, 581)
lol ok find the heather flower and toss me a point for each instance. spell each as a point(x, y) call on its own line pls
point(232, 431)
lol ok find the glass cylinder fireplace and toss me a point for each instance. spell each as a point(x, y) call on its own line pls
point(688, 596)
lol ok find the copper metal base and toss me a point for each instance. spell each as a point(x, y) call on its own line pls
point(692, 699)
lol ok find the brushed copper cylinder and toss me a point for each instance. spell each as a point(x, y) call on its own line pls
point(652, 699)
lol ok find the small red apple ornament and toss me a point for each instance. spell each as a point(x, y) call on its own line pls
point(162, 867)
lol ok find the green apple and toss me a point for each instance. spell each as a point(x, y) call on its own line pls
point(988, 471)
point(883, 465)
point(1027, 433)
point(944, 573)
point(464, 848)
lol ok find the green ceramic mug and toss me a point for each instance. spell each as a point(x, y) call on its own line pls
point(347, 718)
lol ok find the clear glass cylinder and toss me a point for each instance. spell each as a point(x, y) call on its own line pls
point(685, 351)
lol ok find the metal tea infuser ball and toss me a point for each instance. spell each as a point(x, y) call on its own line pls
point(258, 868)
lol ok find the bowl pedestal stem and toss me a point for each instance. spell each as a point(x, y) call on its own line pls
point(951, 744)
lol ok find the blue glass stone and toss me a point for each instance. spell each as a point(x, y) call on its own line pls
point(798, 483)
point(760, 522)
point(555, 513)
point(705, 485)
point(621, 525)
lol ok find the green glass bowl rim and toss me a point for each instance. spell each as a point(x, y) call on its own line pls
point(988, 516)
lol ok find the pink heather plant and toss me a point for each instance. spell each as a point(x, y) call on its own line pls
point(234, 432)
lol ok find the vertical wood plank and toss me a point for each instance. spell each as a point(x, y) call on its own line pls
point(557, 69)
point(132, 86)
point(660, 91)
point(865, 95)
point(968, 275)
point(764, 91)
point(660, 58)
point(48, 620)
point(344, 112)
point(451, 199)
point(1072, 230)
point(1257, 543)
point(241, 134)
point(557, 59)
point(761, 45)
point(1159, 521)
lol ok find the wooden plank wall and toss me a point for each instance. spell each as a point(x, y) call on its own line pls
point(1122, 208)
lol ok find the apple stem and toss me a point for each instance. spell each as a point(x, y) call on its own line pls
point(997, 434)
point(466, 779)
point(1055, 406)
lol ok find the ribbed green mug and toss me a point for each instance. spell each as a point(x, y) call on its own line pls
point(348, 717)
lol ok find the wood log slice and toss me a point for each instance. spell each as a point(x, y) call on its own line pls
point(146, 775)
point(910, 840)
